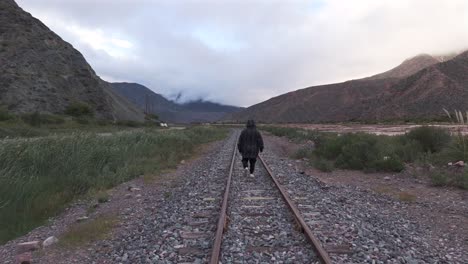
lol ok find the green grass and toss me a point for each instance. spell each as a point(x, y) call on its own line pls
point(92, 230)
point(39, 177)
point(37, 124)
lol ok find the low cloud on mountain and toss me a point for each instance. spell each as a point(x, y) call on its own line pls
point(243, 52)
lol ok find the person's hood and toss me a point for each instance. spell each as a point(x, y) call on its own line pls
point(250, 124)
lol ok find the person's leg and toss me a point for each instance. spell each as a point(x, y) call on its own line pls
point(244, 163)
point(252, 165)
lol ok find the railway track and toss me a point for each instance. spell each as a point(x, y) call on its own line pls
point(229, 217)
point(258, 220)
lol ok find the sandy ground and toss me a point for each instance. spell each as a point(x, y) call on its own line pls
point(444, 211)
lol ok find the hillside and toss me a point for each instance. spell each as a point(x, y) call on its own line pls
point(41, 72)
point(408, 67)
point(382, 97)
point(169, 111)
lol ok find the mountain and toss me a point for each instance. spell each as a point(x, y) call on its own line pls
point(409, 67)
point(169, 111)
point(41, 72)
point(417, 89)
point(206, 106)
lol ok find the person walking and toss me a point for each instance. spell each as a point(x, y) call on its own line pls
point(249, 145)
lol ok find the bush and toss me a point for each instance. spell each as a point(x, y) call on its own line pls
point(152, 117)
point(432, 139)
point(408, 150)
point(78, 109)
point(36, 119)
point(304, 152)
point(443, 177)
point(82, 120)
point(360, 152)
point(323, 164)
point(329, 145)
point(388, 164)
point(357, 153)
point(129, 123)
point(439, 178)
point(5, 115)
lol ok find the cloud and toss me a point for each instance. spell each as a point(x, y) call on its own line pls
point(242, 52)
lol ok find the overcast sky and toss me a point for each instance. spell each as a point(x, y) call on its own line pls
point(242, 52)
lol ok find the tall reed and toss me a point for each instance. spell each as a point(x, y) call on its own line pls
point(39, 177)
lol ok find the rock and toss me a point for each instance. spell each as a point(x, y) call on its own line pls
point(81, 219)
point(182, 162)
point(28, 246)
point(134, 189)
point(48, 68)
point(24, 258)
point(387, 178)
point(50, 241)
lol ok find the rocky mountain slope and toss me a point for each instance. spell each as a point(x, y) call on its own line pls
point(408, 67)
point(41, 72)
point(169, 111)
point(417, 89)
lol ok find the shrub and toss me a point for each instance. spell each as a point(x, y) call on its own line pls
point(329, 145)
point(304, 152)
point(357, 155)
point(408, 150)
point(78, 109)
point(36, 119)
point(441, 177)
point(129, 123)
point(457, 150)
point(323, 164)
point(151, 117)
point(388, 164)
point(432, 139)
point(4, 114)
point(33, 119)
point(82, 120)
point(360, 152)
point(52, 119)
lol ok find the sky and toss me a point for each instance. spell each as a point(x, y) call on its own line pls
point(242, 52)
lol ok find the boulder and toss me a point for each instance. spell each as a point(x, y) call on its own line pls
point(50, 241)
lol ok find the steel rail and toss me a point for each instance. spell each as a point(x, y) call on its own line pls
point(322, 254)
point(215, 253)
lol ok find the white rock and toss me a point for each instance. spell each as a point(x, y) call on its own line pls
point(134, 189)
point(50, 241)
point(386, 178)
point(81, 219)
point(28, 246)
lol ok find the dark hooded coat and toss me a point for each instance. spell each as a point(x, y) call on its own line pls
point(250, 141)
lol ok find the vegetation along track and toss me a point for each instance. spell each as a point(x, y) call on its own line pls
point(255, 224)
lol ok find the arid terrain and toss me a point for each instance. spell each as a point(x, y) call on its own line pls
point(389, 130)
point(418, 89)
